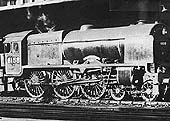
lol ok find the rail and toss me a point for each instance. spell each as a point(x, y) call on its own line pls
point(75, 109)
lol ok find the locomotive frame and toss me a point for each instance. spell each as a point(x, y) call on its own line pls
point(92, 62)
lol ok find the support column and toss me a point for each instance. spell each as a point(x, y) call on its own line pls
point(5, 81)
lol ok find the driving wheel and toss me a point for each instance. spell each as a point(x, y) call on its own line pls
point(64, 91)
point(32, 84)
point(94, 90)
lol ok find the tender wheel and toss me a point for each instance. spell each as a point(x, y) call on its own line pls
point(94, 91)
point(147, 91)
point(32, 84)
point(117, 92)
point(63, 91)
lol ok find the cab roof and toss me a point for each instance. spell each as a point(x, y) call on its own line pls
point(18, 36)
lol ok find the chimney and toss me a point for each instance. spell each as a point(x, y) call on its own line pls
point(143, 9)
point(86, 27)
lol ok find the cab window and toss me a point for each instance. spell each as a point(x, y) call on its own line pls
point(7, 47)
point(1, 47)
point(15, 47)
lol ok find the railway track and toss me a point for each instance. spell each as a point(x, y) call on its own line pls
point(83, 109)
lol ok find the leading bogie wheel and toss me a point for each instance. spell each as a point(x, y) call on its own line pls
point(118, 92)
point(32, 84)
point(147, 91)
point(64, 91)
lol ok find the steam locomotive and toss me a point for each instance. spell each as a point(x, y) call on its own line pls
point(130, 60)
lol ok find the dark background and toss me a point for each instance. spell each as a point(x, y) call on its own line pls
point(100, 13)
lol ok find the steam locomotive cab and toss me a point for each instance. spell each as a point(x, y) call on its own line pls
point(13, 57)
point(15, 50)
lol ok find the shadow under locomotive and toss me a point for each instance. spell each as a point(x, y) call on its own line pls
point(132, 60)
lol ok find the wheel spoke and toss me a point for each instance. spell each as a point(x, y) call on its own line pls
point(34, 90)
point(59, 73)
point(68, 74)
point(97, 90)
point(55, 77)
point(118, 94)
point(69, 88)
point(37, 91)
point(67, 91)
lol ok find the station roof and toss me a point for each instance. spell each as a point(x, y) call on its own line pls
point(25, 5)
